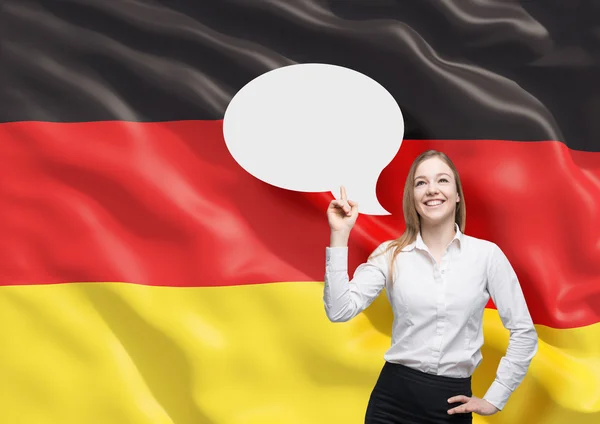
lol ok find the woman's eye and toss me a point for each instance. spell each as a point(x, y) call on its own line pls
point(419, 183)
point(444, 179)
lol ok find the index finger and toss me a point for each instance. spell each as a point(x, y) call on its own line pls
point(343, 193)
point(459, 398)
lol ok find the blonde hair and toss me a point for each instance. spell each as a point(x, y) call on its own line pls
point(411, 217)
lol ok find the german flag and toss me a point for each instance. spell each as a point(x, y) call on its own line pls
point(147, 278)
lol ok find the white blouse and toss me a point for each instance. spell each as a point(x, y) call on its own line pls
point(438, 309)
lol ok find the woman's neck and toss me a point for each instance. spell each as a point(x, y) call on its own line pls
point(437, 237)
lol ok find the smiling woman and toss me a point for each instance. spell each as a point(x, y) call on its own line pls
point(431, 171)
point(426, 187)
point(438, 281)
point(436, 195)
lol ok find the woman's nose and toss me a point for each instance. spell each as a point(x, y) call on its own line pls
point(432, 189)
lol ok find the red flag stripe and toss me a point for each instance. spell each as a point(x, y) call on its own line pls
point(165, 204)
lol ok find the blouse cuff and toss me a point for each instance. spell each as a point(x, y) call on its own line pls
point(336, 259)
point(497, 395)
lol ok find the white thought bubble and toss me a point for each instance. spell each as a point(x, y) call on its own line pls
point(314, 127)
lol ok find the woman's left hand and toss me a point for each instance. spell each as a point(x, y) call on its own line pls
point(472, 404)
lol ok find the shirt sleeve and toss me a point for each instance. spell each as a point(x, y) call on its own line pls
point(345, 298)
point(505, 290)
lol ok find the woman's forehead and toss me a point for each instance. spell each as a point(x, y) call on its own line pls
point(432, 167)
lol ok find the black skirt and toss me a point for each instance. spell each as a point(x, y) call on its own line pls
point(403, 395)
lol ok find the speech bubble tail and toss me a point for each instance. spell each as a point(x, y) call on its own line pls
point(364, 193)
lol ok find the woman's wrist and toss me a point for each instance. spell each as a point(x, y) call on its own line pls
point(339, 239)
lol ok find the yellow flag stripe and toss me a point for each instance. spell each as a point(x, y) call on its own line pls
point(116, 353)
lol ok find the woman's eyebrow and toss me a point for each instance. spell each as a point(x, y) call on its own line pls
point(441, 173)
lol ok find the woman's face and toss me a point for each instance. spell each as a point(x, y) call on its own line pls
point(435, 191)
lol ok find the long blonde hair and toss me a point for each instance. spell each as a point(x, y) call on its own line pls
point(411, 217)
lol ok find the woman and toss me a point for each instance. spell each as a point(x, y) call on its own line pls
point(438, 281)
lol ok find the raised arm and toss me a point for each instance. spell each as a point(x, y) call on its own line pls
point(345, 298)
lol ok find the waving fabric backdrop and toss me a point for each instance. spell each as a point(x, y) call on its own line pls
point(147, 278)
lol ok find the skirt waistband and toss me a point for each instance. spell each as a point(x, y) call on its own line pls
point(404, 395)
point(424, 377)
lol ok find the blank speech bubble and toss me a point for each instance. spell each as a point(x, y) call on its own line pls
point(314, 127)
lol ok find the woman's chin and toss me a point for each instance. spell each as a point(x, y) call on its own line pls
point(435, 219)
